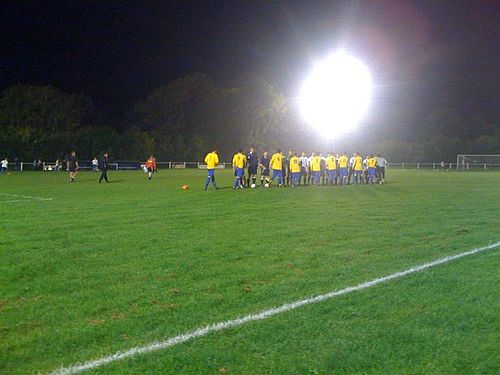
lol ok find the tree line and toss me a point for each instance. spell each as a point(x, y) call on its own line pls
point(185, 118)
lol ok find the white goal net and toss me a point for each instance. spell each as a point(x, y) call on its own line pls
point(477, 162)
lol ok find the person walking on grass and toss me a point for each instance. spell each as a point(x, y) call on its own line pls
point(72, 166)
point(150, 166)
point(212, 161)
point(103, 167)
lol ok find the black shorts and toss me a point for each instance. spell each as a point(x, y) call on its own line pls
point(252, 170)
point(72, 169)
point(265, 172)
point(150, 169)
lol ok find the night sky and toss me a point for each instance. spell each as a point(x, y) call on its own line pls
point(421, 54)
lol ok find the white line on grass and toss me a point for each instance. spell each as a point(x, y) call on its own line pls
point(167, 343)
point(26, 197)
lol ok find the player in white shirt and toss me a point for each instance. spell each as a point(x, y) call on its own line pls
point(5, 165)
point(365, 168)
point(95, 165)
point(350, 169)
point(304, 168)
point(381, 164)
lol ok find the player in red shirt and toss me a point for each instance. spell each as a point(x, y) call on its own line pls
point(150, 166)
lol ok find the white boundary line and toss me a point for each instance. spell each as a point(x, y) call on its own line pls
point(158, 345)
point(26, 197)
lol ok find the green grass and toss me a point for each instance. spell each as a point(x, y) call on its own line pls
point(106, 267)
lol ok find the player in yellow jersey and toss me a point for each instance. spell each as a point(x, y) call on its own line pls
point(294, 170)
point(316, 169)
point(331, 169)
point(212, 161)
point(276, 165)
point(239, 162)
point(371, 163)
point(357, 168)
point(343, 162)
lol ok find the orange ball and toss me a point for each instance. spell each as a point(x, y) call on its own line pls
point(184, 187)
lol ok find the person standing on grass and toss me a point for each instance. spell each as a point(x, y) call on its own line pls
point(316, 169)
point(72, 166)
point(103, 167)
point(381, 164)
point(371, 164)
point(357, 168)
point(276, 165)
point(304, 168)
point(284, 168)
point(294, 170)
point(253, 164)
point(239, 162)
point(264, 169)
point(310, 175)
point(350, 169)
point(288, 171)
point(95, 164)
point(331, 168)
point(212, 161)
point(365, 168)
point(343, 162)
point(5, 166)
point(323, 168)
point(150, 166)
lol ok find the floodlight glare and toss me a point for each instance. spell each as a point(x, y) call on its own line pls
point(336, 94)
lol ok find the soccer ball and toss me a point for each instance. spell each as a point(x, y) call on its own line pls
point(252, 186)
point(184, 187)
point(266, 185)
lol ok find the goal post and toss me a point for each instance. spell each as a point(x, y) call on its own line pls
point(471, 162)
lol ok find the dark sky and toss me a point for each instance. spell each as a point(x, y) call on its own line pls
point(421, 54)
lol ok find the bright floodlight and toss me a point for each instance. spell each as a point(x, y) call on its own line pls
point(336, 94)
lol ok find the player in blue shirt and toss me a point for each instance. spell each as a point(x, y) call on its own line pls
point(264, 169)
point(253, 164)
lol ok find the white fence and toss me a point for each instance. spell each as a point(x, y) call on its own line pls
point(116, 165)
point(446, 166)
point(138, 165)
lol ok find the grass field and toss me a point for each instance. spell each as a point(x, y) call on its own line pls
point(101, 268)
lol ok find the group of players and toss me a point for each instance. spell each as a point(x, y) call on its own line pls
point(292, 170)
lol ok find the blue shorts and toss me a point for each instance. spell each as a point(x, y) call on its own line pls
point(211, 172)
point(371, 172)
point(277, 173)
point(332, 175)
point(358, 173)
point(343, 172)
point(239, 172)
point(295, 176)
point(316, 175)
